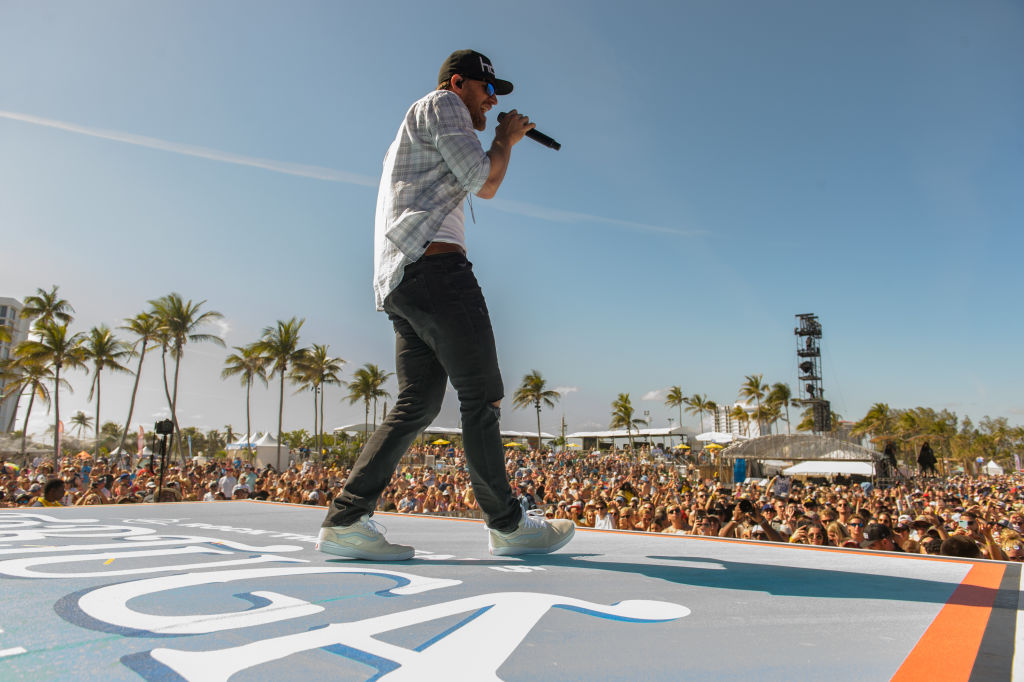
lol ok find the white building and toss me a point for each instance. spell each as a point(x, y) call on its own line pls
point(725, 422)
point(10, 317)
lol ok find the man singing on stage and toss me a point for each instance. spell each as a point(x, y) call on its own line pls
point(424, 283)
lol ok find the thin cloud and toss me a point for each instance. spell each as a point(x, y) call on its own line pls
point(565, 390)
point(571, 217)
point(315, 172)
point(656, 394)
point(223, 328)
point(332, 175)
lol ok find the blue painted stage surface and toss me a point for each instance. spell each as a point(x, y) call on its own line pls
point(235, 590)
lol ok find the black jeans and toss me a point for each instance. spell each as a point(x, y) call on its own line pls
point(442, 331)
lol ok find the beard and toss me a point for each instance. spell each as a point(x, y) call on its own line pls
point(479, 119)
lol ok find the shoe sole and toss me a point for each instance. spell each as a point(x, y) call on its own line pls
point(516, 551)
point(334, 549)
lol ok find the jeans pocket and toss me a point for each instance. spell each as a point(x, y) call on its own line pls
point(412, 294)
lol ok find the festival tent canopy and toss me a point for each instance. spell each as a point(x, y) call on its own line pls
point(993, 469)
point(621, 433)
point(717, 437)
point(829, 468)
point(799, 447)
point(243, 443)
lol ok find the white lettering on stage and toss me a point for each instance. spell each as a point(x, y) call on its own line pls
point(110, 604)
point(479, 645)
point(493, 625)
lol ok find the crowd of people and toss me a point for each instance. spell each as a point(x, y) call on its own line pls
point(965, 516)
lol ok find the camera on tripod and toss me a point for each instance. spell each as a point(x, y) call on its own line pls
point(164, 427)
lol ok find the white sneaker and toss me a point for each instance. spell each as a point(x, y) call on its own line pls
point(536, 534)
point(364, 539)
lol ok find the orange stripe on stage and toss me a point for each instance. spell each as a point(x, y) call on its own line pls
point(959, 626)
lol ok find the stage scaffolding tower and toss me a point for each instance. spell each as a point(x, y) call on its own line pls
point(808, 353)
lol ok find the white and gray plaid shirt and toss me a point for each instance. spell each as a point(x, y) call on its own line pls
point(434, 162)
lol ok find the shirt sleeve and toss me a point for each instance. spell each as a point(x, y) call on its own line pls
point(458, 143)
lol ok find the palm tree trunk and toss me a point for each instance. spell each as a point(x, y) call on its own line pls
point(323, 431)
point(56, 407)
point(538, 427)
point(24, 432)
point(366, 420)
point(174, 406)
point(167, 387)
point(316, 432)
point(248, 420)
point(131, 403)
point(280, 417)
point(96, 454)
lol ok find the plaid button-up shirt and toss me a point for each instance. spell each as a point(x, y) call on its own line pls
point(434, 162)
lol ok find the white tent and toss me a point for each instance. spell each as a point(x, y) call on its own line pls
point(266, 451)
point(717, 437)
point(829, 468)
point(243, 443)
point(993, 469)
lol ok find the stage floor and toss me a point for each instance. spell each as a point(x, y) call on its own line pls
point(212, 591)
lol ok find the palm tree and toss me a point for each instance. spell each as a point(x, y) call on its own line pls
point(533, 391)
point(280, 345)
point(360, 388)
point(105, 351)
point(81, 422)
point(753, 387)
point(879, 422)
point(366, 386)
point(146, 328)
point(29, 375)
point(699, 404)
point(378, 378)
point(740, 416)
point(58, 349)
point(781, 396)
point(248, 364)
point(214, 441)
point(315, 369)
point(179, 324)
point(622, 417)
point(47, 306)
point(675, 398)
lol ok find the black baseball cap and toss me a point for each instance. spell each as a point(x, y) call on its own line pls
point(472, 64)
point(875, 532)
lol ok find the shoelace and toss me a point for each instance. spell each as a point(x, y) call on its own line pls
point(535, 518)
point(372, 525)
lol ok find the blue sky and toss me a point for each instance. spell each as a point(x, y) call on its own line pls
point(724, 166)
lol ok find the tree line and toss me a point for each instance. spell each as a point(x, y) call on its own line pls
point(38, 366)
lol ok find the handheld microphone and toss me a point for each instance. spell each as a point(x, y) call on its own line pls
point(535, 135)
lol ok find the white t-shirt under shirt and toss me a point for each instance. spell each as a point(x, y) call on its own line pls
point(453, 228)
